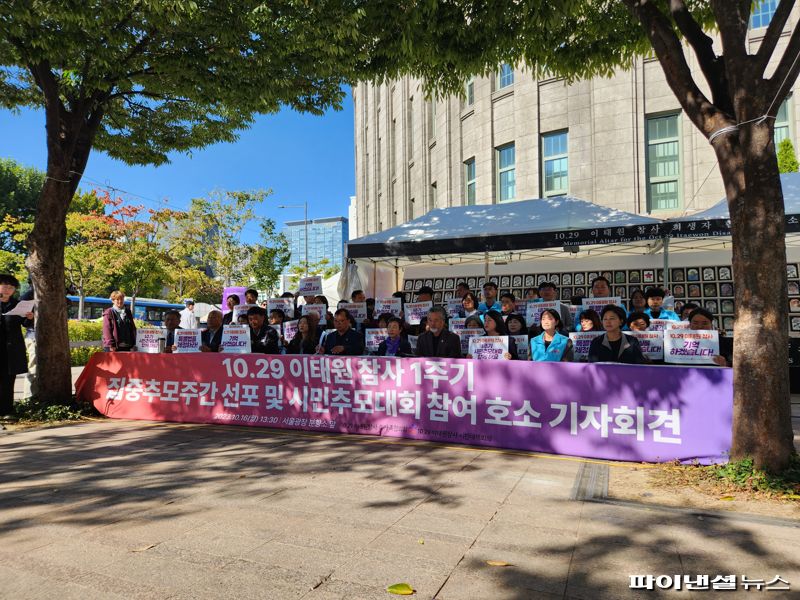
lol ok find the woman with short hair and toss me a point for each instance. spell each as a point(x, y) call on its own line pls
point(614, 345)
point(119, 330)
point(551, 345)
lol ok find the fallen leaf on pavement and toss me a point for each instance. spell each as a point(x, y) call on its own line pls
point(400, 589)
point(498, 563)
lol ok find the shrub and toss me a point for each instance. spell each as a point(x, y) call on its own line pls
point(85, 331)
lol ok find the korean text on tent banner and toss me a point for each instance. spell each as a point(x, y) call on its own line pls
point(284, 304)
point(319, 309)
point(687, 346)
point(488, 347)
point(289, 330)
point(598, 304)
point(523, 346)
point(466, 335)
point(389, 305)
point(374, 337)
point(187, 340)
point(147, 339)
point(310, 286)
point(357, 310)
point(534, 311)
point(581, 340)
point(651, 342)
point(416, 311)
point(235, 340)
point(240, 310)
point(455, 308)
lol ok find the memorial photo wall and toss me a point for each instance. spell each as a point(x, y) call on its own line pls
point(710, 286)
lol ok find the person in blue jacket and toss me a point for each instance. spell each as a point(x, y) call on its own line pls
point(655, 298)
point(550, 345)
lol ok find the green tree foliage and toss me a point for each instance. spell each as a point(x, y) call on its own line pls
point(269, 257)
point(322, 267)
point(787, 159)
point(20, 187)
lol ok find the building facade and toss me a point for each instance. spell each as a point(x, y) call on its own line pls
point(620, 141)
point(326, 240)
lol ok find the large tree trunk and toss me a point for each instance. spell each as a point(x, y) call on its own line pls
point(762, 426)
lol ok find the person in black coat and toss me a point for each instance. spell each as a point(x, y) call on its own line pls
point(396, 344)
point(438, 341)
point(13, 360)
point(211, 336)
point(306, 339)
point(263, 338)
point(614, 345)
point(344, 340)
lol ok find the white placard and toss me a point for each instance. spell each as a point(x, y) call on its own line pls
point(523, 346)
point(147, 339)
point(393, 306)
point(455, 308)
point(283, 304)
point(521, 306)
point(22, 308)
point(240, 310)
point(598, 304)
point(187, 340)
point(456, 324)
point(416, 311)
point(319, 309)
point(235, 339)
point(651, 342)
point(357, 310)
point(488, 347)
point(310, 286)
point(687, 346)
point(466, 335)
point(664, 324)
point(412, 341)
point(581, 340)
point(374, 337)
point(534, 311)
point(289, 330)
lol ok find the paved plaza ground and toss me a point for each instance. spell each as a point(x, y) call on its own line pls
point(121, 509)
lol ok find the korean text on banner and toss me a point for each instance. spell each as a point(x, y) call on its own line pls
point(687, 346)
point(488, 347)
point(289, 330)
point(147, 339)
point(283, 304)
point(598, 304)
point(651, 342)
point(357, 310)
point(523, 346)
point(310, 286)
point(664, 324)
point(374, 337)
point(456, 324)
point(534, 311)
point(393, 306)
point(416, 311)
point(319, 309)
point(581, 340)
point(187, 340)
point(455, 308)
point(240, 310)
point(235, 340)
point(466, 335)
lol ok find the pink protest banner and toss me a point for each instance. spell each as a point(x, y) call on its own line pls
point(621, 412)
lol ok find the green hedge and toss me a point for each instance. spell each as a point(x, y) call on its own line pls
point(80, 356)
point(85, 331)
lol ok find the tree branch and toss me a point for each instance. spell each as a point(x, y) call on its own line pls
point(772, 35)
point(732, 18)
point(786, 73)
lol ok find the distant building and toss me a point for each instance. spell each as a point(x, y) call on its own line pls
point(352, 214)
point(326, 239)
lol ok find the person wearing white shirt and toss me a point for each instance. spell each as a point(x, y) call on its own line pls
point(188, 320)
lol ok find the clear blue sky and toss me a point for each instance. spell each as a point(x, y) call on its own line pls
point(300, 157)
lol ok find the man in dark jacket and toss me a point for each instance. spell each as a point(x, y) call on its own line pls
point(438, 341)
point(12, 346)
point(344, 339)
point(263, 338)
point(212, 334)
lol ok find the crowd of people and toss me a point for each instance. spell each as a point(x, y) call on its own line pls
point(336, 332)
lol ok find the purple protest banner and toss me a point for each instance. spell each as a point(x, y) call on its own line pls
point(609, 411)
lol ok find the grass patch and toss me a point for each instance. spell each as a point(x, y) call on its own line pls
point(734, 480)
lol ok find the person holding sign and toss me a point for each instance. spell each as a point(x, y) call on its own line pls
point(395, 344)
point(251, 296)
point(438, 341)
point(489, 297)
point(508, 303)
point(211, 336)
point(233, 300)
point(462, 289)
point(344, 340)
point(470, 304)
point(638, 321)
point(589, 320)
point(551, 345)
point(172, 319)
point(655, 298)
point(516, 325)
point(306, 340)
point(638, 303)
point(601, 288)
point(548, 292)
point(614, 345)
point(703, 320)
point(494, 325)
point(263, 338)
point(119, 330)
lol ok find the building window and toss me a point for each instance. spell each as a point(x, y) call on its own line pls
point(782, 131)
point(762, 13)
point(506, 179)
point(555, 165)
point(663, 163)
point(505, 77)
point(469, 180)
point(470, 92)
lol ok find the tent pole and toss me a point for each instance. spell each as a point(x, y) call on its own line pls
point(396, 276)
point(486, 266)
point(374, 276)
point(665, 241)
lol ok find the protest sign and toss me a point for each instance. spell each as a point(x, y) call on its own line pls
point(318, 309)
point(687, 346)
point(521, 306)
point(488, 347)
point(466, 335)
point(187, 340)
point(357, 310)
point(147, 339)
point(310, 286)
point(235, 339)
point(283, 304)
point(393, 306)
point(240, 310)
point(664, 324)
point(523, 346)
point(455, 308)
point(412, 341)
point(581, 340)
point(598, 304)
point(373, 338)
point(416, 311)
point(534, 311)
point(456, 324)
point(651, 342)
point(289, 330)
